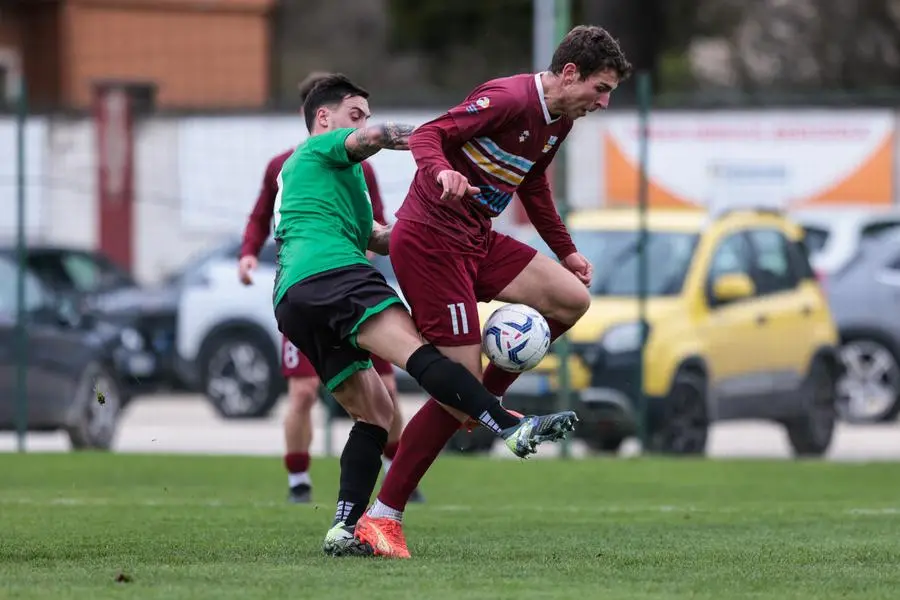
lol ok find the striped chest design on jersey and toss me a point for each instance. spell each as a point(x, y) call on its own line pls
point(506, 156)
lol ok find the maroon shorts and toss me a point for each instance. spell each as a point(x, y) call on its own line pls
point(295, 364)
point(443, 285)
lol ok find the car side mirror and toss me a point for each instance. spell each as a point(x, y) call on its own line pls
point(68, 313)
point(732, 287)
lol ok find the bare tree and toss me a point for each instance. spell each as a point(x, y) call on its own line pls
point(804, 44)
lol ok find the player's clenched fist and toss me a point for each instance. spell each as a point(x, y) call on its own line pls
point(580, 266)
point(246, 266)
point(455, 186)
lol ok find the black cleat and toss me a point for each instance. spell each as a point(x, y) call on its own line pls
point(341, 541)
point(417, 496)
point(532, 431)
point(300, 494)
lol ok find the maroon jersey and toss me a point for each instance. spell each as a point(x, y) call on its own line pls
point(260, 222)
point(502, 137)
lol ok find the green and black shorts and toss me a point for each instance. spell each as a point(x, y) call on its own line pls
point(321, 315)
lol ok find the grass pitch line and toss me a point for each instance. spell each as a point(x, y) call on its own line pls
point(452, 508)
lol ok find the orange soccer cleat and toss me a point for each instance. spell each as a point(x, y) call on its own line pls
point(384, 535)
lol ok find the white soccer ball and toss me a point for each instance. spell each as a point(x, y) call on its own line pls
point(515, 337)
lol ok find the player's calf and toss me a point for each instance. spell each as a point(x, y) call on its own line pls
point(302, 396)
point(434, 372)
point(393, 336)
point(364, 396)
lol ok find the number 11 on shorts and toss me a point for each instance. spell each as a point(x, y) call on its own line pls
point(458, 318)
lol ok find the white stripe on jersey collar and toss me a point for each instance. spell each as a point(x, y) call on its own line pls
point(540, 91)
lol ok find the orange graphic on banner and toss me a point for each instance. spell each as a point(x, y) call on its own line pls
point(869, 184)
point(622, 182)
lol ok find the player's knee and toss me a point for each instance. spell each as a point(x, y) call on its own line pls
point(570, 301)
point(302, 394)
point(383, 412)
point(579, 301)
point(377, 410)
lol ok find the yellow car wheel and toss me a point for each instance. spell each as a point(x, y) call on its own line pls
point(681, 423)
point(811, 434)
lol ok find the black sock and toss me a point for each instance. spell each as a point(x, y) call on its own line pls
point(360, 465)
point(450, 383)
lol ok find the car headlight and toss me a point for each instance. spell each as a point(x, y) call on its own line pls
point(626, 337)
point(131, 339)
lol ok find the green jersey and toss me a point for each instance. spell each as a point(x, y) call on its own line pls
point(323, 215)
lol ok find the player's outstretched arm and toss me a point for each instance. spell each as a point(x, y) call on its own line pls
point(380, 239)
point(365, 142)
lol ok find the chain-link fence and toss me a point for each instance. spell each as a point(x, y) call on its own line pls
point(148, 126)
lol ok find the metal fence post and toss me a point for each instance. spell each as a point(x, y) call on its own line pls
point(563, 20)
point(644, 95)
point(21, 329)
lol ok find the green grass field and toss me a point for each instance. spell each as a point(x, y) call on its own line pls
point(218, 527)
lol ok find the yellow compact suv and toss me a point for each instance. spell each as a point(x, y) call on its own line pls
point(735, 327)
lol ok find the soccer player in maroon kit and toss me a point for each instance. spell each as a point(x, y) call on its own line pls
point(303, 383)
point(471, 160)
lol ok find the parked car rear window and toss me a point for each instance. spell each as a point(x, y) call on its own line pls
point(815, 239)
point(875, 229)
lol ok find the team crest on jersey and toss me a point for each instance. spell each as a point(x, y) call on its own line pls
point(524, 135)
point(480, 104)
point(550, 143)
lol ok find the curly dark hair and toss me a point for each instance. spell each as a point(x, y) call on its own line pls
point(592, 49)
point(329, 90)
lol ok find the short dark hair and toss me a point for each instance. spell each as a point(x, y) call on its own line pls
point(592, 49)
point(330, 90)
point(306, 86)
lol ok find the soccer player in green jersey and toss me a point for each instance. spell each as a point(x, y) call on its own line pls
point(338, 309)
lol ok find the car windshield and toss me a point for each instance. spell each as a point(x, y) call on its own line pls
point(615, 256)
point(34, 294)
point(875, 230)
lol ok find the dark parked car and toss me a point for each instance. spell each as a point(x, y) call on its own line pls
point(99, 287)
point(73, 363)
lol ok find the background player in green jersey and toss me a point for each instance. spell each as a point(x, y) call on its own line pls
point(337, 308)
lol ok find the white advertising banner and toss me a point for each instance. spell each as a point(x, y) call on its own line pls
point(781, 158)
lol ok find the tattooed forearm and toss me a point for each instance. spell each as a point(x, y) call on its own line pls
point(367, 141)
point(395, 136)
point(361, 145)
